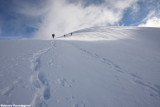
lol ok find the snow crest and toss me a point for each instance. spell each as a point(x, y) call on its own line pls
point(95, 67)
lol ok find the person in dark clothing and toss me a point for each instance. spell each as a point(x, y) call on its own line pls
point(71, 34)
point(53, 35)
point(64, 35)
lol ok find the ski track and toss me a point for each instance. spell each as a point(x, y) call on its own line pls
point(8, 90)
point(39, 79)
point(134, 78)
point(101, 59)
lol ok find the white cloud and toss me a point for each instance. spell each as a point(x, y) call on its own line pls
point(61, 17)
point(151, 20)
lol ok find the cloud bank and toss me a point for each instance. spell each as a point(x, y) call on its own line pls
point(39, 19)
point(63, 16)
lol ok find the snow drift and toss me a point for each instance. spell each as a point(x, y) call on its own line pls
point(95, 67)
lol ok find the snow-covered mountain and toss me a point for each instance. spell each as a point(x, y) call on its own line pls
point(95, 67)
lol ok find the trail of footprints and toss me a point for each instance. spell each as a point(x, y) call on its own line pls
point(46, 93)
point(39, 80)
point(43, 90)
point(41, 83)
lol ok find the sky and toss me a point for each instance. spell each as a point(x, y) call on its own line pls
point(39, 19)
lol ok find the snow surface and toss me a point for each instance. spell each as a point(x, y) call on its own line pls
point(95, 67)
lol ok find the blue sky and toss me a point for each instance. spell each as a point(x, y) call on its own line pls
point(38, 19)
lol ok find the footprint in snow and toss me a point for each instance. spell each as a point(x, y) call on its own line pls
point(77, 105)
point(44, 81)
point(40, 103)
point(46, 93)
point(64, 82)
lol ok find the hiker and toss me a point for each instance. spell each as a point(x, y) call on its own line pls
point(64, 35)
point(53, 35)
point(71, 34)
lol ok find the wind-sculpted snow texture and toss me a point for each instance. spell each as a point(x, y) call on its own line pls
point(95, 67)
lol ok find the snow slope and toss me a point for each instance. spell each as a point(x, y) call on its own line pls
point(95, 67)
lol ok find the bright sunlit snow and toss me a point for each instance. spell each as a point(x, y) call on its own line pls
point(95, 67)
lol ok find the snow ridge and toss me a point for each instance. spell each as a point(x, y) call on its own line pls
point(95, 67)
